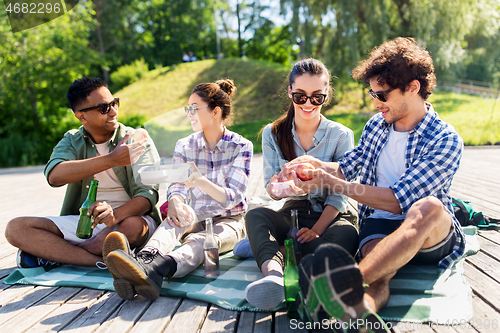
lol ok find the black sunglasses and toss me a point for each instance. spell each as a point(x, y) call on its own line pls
point(381, 95)
point(301, 98)
point(104, 108)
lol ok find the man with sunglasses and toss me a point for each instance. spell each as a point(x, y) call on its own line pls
point(100, 149)
point(405, 162)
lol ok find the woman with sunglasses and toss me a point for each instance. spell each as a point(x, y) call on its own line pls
point(221, 161)
point(322, 218)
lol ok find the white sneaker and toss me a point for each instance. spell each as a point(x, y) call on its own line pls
point(266, 293)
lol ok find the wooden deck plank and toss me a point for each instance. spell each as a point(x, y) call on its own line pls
point(33, 314)
point(284, 324)
point(487, 245)
point(246, 322)
point(189, 316)
point(219, 320)
point(9, 294)
point(98, 313)
point(479, 191)
point(486, 265)
point(158, 315)
point(486, 319)
point(124, 318)
point(92, 310)
point(23, 301)
point(483, 286)
point(66, 313)
point(255, 174)
point(479, 204)
point(493, 236)
point(263, 322)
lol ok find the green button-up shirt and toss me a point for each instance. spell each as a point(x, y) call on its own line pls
point(77, 145)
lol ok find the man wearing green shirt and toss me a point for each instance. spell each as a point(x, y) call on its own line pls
point(101, 149)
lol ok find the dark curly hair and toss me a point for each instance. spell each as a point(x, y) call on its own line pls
point(217, 94)
point(81, 88)
point(397, 63)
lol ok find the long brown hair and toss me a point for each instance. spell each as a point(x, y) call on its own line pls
point(282, 127)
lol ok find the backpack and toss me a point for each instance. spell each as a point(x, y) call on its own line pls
point(466, 215)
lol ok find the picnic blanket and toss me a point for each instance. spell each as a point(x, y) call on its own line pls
point(418, 294)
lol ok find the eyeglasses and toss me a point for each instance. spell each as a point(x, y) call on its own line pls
point(104, 108)
point(192, 109)
point(381, 95)
point(316, 99)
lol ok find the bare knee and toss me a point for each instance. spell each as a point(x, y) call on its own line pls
point(429, 217)
point(12, 230)
point(428, 208)
point(17, 228)
point(134, 227)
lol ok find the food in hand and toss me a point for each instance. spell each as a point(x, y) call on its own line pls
point(299, 170)
point(286, 178)
point(282, 189)
point(139, 134)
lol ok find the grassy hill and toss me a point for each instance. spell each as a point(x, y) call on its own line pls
point(157, 101)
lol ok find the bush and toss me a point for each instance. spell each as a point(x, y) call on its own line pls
point(128, 74)
point(133, 120)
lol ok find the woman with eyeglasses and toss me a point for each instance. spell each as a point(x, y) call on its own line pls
point(322, 218)
point(221, 161)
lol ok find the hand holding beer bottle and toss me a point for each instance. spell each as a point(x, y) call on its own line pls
point(84, 229)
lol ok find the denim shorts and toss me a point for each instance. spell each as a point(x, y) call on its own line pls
point(381, 228)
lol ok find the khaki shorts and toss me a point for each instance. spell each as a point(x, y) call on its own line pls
point(67, 225)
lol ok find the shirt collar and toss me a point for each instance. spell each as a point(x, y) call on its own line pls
point(429, 117)
point(221, 145)
point(115, 138)
point(320, 131)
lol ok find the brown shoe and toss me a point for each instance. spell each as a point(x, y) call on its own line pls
point(118, 241)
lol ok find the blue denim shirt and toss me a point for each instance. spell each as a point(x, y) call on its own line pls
point(330, 142)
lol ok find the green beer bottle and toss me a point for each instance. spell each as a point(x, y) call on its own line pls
point(84, 229)
point(291, 279)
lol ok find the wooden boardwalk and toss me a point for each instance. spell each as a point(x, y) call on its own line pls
point(49, 309)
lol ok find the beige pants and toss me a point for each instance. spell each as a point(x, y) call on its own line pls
point(227, 231)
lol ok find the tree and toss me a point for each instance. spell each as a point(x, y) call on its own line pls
point(115, 35)
point(170, 28)
point(271, 44)
point(37, 67)
point(343, 32)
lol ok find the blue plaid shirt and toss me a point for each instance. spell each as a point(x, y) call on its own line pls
point(432, 158)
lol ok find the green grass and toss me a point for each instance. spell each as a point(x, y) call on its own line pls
point(261, 88)
point(158, 98)
point(250, 130)
point(472, 116)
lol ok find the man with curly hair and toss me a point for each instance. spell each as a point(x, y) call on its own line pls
point(405, 162)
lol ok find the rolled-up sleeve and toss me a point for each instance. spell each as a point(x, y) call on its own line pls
point(63, 151)
point(236, 180)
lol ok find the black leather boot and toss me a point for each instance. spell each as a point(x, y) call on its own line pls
point(145, 272)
